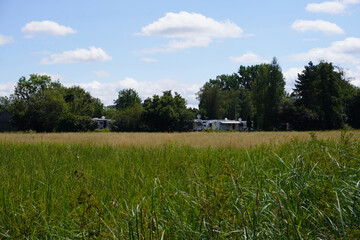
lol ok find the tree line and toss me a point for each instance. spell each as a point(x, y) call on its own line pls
point(322, 99)
point(43, 105)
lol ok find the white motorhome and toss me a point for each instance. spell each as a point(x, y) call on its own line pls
point(225, 125)
point(102, 122)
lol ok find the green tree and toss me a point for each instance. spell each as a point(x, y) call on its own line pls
point(69, 122)
point(167, 113)
point(109, 112)
point(226, 82)
point(267, 94)
point(211, 101)
point(354, 110)
point(128, 119)
point(45, 109)
point(40, 113)
point(26, 88)
point(228, 96)
point(247, 75)
point(42, 105)
point(321, 90)
point(127, 98)
point(4, 103)
point(81, 103)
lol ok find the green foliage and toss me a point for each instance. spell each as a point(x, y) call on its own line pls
point(42, 105)
point(127, 98)
point(353, 110)
point(225, 97)
point(247, 76)
point(26, 88)
point(69, 122)
point(322, 98)
point(4, 103)
point(82, 103)
point(298, 190)
point(211, 101)
point(267, 93)
point(255, 92)
point(128, 119)
point(167, 113)
point(109, 113)
point(322, 90)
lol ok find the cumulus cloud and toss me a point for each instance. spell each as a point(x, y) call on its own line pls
point(331, 7)
point(189, 30)
point(249, 58)
point(291, 76)
point(54, 76)
point(5, 40)
point(34, 28)
point(79, 55)
point(346, 51)
point(102, 74)
point(354, 76)
point(7, 88)
point(108, 91)
point(317, 26)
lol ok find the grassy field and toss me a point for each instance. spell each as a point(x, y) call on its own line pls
point(180, 186)
point(195, 139)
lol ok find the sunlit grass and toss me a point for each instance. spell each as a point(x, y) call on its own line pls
point(295, 190)
point(196, 139)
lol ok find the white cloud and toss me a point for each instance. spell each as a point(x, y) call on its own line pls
point(34, 28)
point(332, 7)
point(7, 88)
point(249, 58)
point(317, 26)
point(290, 76)
point(108, 91)
point(102, 74)
point(5, 40)
point(346, 51)
point(327, 7)
point(189, 30)
point(79, 55)
point(54, 76)
point(354, 76)
point(150, 60)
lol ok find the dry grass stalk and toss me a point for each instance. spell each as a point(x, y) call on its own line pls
point(197, 139)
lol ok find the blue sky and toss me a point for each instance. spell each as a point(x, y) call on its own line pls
point(153, 46)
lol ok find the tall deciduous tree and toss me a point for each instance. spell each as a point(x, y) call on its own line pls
point(167, 113)
point(26, 88)
point(229, 96)
point(247, 75)
point(81, 103)
point(267, 94)
point(211, 101)
point(127, 98)
point(42, 105)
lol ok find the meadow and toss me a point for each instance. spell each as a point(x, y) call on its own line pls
point(194, 139)
point(260, 185)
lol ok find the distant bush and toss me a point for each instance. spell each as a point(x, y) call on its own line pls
point(72, 123)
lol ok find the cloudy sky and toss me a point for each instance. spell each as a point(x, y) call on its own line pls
point(153, 46)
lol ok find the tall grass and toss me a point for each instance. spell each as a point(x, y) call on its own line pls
point(297, 190)
point(196, 139)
